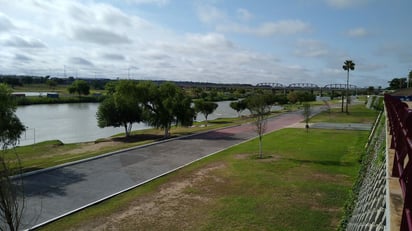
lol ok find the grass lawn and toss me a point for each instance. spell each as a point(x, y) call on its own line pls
point(358, 113)
point(301, 184)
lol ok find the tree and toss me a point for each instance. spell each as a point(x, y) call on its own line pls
point(258, 106)
point(371, 90)
point(306, 114)
point(205, 107)
point(397, 83)
point(293, 97)
point(167, 104)
point(51, 83)
point(110, 87)
point(238, 106)
point(123, 108)
point(80, 87)
point(11, 199)
point(348, 65)
point(10, 125)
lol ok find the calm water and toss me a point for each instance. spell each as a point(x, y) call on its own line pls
point(77, 122)
point(66, 122)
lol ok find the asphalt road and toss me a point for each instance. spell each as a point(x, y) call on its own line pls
point(55, 192)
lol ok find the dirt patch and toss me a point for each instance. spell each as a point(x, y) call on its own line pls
point(266, 157)
point(92, 147)
point(169, 207)
point(242, 156)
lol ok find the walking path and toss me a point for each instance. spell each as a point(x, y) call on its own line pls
point(53, 193)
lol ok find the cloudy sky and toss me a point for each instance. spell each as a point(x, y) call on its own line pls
point(223, 41)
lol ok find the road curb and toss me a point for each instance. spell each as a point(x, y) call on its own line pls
point(26, 174)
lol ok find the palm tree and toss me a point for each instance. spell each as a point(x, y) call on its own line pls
point(348, 65)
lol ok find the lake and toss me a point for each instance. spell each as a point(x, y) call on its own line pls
point(77, 122)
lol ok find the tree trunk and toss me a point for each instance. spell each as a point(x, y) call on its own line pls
point(260, 147)
point(129, 128)
point(126, 130)
point(167, 134)
point(206, 120)
point(342, 102)
point(347, 92)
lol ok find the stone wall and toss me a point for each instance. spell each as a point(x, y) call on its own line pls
point(370, 212)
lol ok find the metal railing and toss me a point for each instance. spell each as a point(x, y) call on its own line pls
point(400, 122)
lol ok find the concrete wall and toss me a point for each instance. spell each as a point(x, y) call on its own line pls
point(370, 212)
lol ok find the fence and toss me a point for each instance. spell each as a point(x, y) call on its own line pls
point(400, 122)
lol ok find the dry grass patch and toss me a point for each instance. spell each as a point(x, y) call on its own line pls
point(172, 205)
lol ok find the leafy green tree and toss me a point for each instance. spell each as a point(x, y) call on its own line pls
point(80, 87)
point(205, 107)
point(305, 96)
point(168, 105)
point(110, 87)
point(397, 83)
point(197, 92)
point(409, 79)
point(123, 108)
point(371, 90)
point(348, 65)
point(293, 97)
point(259, 107)
point(11, 197)
point(281, 99)
point(51, 83)
point(10, 126)
point(238, 106)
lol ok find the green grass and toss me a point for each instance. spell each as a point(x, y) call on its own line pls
point(357, 114)
point(303, 186)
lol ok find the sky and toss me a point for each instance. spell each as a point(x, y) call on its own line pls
point(220, 41)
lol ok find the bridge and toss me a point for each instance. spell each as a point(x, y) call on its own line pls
point(307, 86)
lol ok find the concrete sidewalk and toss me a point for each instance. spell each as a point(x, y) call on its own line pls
point(56, 192)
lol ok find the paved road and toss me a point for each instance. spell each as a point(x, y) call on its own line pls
point(55, 192)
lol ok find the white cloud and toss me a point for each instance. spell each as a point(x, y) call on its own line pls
point(211, 15)
point(80, 61)
point(5, 23)
point(22, 58)
point(212, 40)
point(113, 57)
point(99, 36)
point(22, 42)
point(357, 32)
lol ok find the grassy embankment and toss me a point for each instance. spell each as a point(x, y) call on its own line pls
point(64, 96)
point(302, 184)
